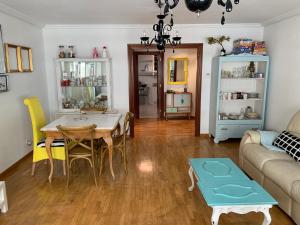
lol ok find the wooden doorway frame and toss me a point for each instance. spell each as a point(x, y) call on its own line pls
point(132, 48)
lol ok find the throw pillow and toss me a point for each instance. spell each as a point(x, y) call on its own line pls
point(289, 143)
point(267, 139)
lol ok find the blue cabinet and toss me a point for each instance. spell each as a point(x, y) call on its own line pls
point(239, 87)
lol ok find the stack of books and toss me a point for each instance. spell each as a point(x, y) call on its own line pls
point(243, 46)
point(259, 48)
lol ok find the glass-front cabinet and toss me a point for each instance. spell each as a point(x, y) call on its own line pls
point(84, 84)
point(238, 95)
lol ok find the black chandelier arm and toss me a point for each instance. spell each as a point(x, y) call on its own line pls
point(167, 27)
point(156, 27)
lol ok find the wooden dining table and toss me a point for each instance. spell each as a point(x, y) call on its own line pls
point(106, 125)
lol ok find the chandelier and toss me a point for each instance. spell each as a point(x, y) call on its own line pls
point(162, 31)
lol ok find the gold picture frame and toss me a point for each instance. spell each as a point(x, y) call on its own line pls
point(171, 62)
point(12, 58)
point(26, 59)
point(18, 59)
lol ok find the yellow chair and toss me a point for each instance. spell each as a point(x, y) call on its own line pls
point(38, 121)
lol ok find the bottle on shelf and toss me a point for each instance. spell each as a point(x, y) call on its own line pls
point(95, 53)
point(71, 53)
point(104, 52)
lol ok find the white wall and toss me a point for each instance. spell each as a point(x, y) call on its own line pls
point(283, 45)
point(191, 54)
point(117, 37)
point(15, 125)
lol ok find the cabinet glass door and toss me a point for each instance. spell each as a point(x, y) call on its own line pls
point(84, 85)
point(242, 90)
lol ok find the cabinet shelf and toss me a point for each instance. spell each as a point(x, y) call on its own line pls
point(84, 86)
point(241, 100)
point(242, 78)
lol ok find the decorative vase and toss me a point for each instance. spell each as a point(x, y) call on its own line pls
point(223, 52)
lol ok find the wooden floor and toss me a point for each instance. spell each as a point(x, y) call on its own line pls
point(153, 193)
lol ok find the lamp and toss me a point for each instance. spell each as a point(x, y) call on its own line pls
point(162, 34)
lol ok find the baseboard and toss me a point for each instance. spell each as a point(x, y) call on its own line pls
point(204, 135)
point(14, 166)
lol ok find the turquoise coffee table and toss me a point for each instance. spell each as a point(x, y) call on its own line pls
point(227, 189)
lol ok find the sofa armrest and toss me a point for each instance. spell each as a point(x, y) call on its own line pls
point(250, 137)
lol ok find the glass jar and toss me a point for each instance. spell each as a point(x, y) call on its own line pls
point(61, 52)
point(71, 53)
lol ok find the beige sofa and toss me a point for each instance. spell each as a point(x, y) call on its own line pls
point(277, 172)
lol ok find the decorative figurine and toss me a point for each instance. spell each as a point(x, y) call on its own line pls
point(220, 40)
point(95, 53)
point(251, 69)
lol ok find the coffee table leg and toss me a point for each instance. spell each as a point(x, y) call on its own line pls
point(215, 216)
point(191, 174)
point(267, 218)
point(3, 198)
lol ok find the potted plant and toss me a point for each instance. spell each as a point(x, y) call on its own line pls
point(219, 41)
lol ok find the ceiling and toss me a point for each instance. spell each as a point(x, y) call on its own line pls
point(143, 11)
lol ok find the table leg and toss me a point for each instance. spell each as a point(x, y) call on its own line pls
point(3, 198)
point(49, 141)
point(267, 218)
point(215, 216)
point(191, 174)
point(109, 143)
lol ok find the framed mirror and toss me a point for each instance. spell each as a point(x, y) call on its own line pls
point(12, 58)
point(178, 71)
point(2, 64)
point(26, 59)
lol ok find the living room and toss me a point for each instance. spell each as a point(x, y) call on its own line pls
point(152, 188)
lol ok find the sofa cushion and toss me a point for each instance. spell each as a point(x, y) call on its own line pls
point(296, 191)
point(289, 143)
point(283, 172)
point(259, 155)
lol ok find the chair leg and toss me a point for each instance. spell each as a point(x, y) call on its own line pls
point(102, 154)
point(94, 172)
point(68, 172)
point(64, 167)
point(125, 159)
point(33, 168)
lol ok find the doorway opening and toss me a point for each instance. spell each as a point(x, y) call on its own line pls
point(148, 84)
point(139, 94)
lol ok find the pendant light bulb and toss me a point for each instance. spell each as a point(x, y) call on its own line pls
point(228, 6)
point(236, 2)
point(198, 13)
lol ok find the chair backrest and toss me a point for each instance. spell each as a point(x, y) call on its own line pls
point(76, 136)
point(129, 119)
point(37, 118)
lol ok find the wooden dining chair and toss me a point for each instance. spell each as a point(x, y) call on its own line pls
point(119, 141)
point(38, 121)
point(79, 142)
